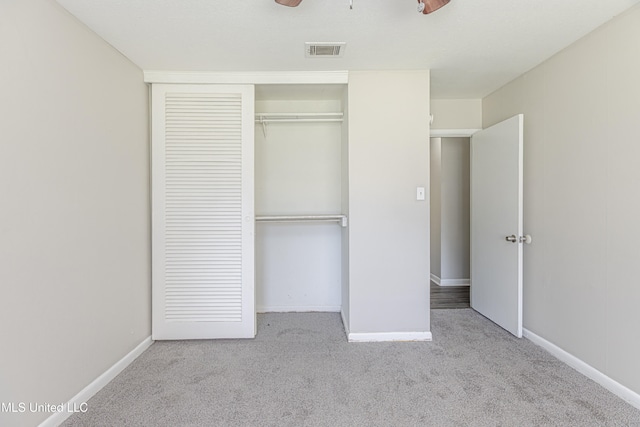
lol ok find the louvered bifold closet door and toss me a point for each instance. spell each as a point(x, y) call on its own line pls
point(203, 219)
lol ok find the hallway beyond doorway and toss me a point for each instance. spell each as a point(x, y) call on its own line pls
point(449, 296)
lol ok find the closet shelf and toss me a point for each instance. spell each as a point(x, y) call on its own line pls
point(342, 219)
point(298, 117)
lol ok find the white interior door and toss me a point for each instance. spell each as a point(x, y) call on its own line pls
point(202, 212)
point(496, 223)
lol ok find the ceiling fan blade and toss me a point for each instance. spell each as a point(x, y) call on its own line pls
point(432, 5)
point(290, 3)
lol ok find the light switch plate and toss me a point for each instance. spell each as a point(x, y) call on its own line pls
point(420, 193)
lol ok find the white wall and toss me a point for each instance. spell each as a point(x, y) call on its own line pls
point(582, 127)
point(298, 171)
point(75, 219)
point(456, 113)
point(388, 228)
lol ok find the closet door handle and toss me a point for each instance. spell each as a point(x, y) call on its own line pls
point(512, 238)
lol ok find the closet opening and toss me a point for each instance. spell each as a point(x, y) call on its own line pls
point(299, 193)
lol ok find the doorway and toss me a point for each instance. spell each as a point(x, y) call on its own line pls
point(450, 249)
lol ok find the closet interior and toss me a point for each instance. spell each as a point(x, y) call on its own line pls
point(299, 191)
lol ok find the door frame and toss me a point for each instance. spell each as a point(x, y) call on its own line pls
point(451, 133)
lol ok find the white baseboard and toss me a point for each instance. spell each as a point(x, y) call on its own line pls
point(450, 282)
point(388, 336)
point(96, 385)
point(454, 282)
point(383, 336)
point(589, 371)
point(357, 337)
point(298, 309)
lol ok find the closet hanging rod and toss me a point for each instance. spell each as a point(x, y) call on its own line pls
point(342, 219)
point(296, 120)
point(299, 117)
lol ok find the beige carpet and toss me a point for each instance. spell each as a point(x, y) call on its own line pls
point(300, 371)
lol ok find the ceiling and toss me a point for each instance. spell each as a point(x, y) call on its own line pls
point(472, 47)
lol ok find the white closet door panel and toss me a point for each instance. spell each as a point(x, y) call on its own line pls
point(203, 226)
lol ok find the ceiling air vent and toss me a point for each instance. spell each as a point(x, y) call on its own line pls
point(324, 50)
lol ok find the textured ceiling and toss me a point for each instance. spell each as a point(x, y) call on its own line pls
point(472, 47)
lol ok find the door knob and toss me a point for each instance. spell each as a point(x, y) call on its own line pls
point(522, 239)
point(525, 239)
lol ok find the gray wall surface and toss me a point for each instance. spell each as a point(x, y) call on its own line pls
point(581, 179)
point(74, 184)
point(388, 227)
